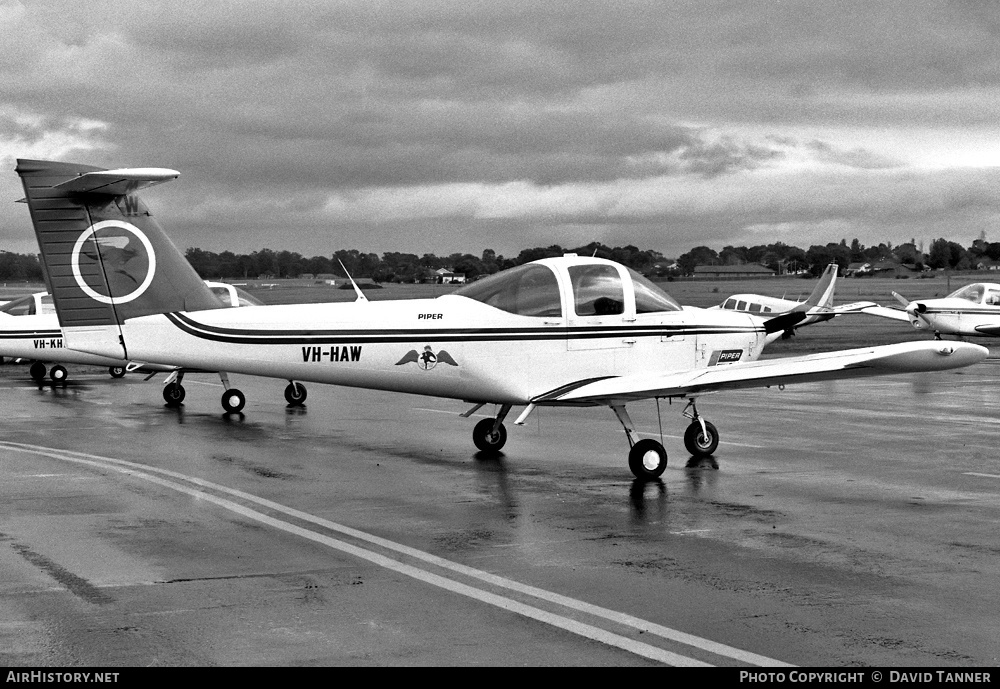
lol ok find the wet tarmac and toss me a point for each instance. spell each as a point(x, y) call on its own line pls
point(851, 523)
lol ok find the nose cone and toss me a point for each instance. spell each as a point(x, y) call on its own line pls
point(914, 310)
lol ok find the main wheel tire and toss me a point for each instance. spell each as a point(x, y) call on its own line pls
point(233, 401)
point(116, 371)
point(647, 459)
point(37, 371)
point(173, 394)
point(484, 437)
point(58, 373)
point(295, 394)
point(697, 443)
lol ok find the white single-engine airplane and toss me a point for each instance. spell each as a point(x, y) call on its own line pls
point(568, 331)
point(973, 311)
point(817, 307)
point(29, 330)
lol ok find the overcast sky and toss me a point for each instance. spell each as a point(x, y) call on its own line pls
point(439, 127)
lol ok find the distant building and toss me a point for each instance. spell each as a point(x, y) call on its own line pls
point(751, 270)
point(445, 276)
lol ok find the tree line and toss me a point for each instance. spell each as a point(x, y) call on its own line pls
point(782, 258)
point(394, 266)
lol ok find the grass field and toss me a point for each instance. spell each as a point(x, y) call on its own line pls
point(840, 333)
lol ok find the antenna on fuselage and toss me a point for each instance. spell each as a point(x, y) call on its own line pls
point(357, 290)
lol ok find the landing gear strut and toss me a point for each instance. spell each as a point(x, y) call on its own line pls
point(647, 458)
point(489, 435)
point(701, 437)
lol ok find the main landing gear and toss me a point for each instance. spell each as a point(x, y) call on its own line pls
point(648, 459)
point(295, 394)
point(233, 400)
point(489, 435)
point(57, 374)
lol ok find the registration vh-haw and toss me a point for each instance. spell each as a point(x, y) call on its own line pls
point(568, 331)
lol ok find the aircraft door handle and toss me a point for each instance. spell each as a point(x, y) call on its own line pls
point(629, 342)
point(552, 322)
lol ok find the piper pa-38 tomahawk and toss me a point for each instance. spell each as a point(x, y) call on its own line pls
point(817, 307)
point(973, 310)
point(568, 331)
point(29, 330)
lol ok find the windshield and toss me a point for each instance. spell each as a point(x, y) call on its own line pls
point(22, 306)
point(649, 298)
point(243, 298)
point(527, 290)
point(973, 293)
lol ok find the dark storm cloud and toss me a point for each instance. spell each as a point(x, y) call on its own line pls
point(638, 122)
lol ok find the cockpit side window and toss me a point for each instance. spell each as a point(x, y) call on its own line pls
point(649, 298)
point(526, 290)
point(992, 297)
point(729, 303)
point(597, 290)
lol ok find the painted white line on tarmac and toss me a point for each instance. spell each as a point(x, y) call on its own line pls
point(973, 473)
point(588, 631)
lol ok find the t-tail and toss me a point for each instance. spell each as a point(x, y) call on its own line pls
point(106, 258)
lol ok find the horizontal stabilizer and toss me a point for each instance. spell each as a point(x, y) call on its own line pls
point(784, 321)
point(904, 357)
point(117, 182)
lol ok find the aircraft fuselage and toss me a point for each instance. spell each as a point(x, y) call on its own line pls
point(450, 346)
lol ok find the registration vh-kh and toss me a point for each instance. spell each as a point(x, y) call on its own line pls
point(567, 331)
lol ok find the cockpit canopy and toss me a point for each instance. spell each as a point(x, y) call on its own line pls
point(979, 293)
point(594, 288)
point(30, 305)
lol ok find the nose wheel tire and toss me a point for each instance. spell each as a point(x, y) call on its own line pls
point(647, 459)
point(116, 371)
point(58, 374)
point(484, 437)
point(233, 401)
point(173, 394)
point(701, 444)
point(295, 394)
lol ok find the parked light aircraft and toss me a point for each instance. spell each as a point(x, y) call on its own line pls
point(817, 307)
point(29, 330)
point(973, 310)
point(568, 331)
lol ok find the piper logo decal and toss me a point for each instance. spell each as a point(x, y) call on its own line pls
point(427, 359)
point(726, 356)
point(129, 262)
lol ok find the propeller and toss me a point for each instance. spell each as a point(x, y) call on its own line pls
point(914, 309)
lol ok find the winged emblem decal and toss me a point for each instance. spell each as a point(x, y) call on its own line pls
point(427, 359)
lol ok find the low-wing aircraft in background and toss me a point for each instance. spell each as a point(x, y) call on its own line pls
point(568, 331)
point(29, 330)
point(817, 307)
point(970, 311)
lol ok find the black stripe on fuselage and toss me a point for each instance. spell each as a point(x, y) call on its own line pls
point(388, 336)
point(33, 334)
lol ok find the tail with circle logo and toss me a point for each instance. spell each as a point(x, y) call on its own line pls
point(106, 258)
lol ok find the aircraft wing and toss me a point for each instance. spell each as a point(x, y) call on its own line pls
point(886, 312)
point(849, 363)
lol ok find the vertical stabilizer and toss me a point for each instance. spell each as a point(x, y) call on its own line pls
point(106, 259)
point(822, 295)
